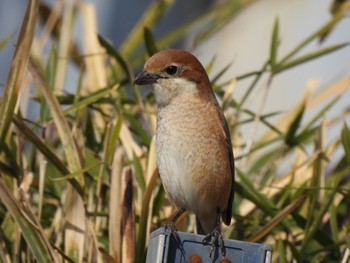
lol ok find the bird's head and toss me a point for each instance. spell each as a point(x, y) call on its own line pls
point(175, 73)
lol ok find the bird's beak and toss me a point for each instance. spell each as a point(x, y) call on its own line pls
point(145, 78)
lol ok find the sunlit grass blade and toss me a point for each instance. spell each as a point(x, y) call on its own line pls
point(17, 69)
point(74, 206)
point(277, 219)
point(115, 206)
point(60, 121)
point(77, 173)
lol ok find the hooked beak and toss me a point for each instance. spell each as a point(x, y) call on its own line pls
point(145, 78)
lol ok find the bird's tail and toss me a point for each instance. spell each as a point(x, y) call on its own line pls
point(200, 230)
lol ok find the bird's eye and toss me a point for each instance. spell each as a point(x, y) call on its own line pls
point(171, 70)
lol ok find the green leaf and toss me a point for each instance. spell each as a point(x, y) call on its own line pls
point(150, 17)
point(220, 73)
point(306, 58)
point(115, 132)
point(321, 113)
point(139, 172)
point(345, 140)
point(91, 99)
point(151, 45)
point(277, 219)
point(68, 142)
point(274, 45)
point(319, 33)
point(144, 215)
point(294, 126)
point(31, 230)
point(50, 73)
point(52, 157)
point(17, 69)
point(118, 57)
point(77, 173)
point(4, 42)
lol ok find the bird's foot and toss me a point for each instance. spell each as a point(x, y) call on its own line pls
point(172, 228)
point(173, 231)
point(215, 239)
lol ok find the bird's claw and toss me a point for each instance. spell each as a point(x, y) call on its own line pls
point(216, 239)
point(172, 228)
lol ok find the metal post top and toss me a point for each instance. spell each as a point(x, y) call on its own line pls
point(188, 247)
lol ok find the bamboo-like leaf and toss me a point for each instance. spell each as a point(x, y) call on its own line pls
point(316, 180)
point(321, 113)
point(143, 227)
point(32, 232)
point(139, 173)
point(61, 123)
point(334, 223)
point(281, 251)
point(274, 45)
point(118, 57)
point(150, 42)
point(114, 137)
point(345, 140)
point(92, 98)
point(246, 188)
point(150, 17)
point(251, 87)
point(220, 16)
point(294, 126)
point(74, 205)
point(77, 173)
point(139, 131)
point(50, 72)
point(311, 230)
point(277, 219)
point(319, 33)
point(31, 136)
point(220, 73)
point(308, 57)
point(17, 69)
point(4, 42)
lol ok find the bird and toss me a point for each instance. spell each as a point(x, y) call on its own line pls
point(193, 143)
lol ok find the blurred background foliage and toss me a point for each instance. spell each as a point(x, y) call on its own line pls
point(79, 182)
